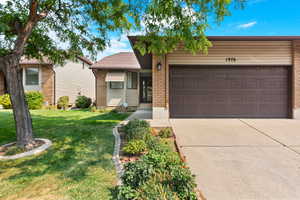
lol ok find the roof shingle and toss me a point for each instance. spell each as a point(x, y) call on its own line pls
point(122, 60)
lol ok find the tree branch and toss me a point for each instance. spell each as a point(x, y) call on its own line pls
point(25, 32)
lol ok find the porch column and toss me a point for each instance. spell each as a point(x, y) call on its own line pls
point(159, 87)
point(296, 79)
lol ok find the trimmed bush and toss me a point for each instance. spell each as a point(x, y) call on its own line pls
point(63, 102)
point(136, 123)
point(135, 147)
point(127, 193)
point(165, 133)
point(136, 173)
point(158, 174)
point(34, 100)
point(5, 101)
point(183, 182)
point(137, 129)
point(138, 133)
point(83, 102)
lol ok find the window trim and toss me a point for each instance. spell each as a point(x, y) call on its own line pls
point(136, 83)
point(110, 86)
point(25, 77)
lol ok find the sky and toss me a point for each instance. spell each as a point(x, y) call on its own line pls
point(258, 18)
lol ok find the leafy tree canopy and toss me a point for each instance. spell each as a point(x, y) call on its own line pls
point(84, 25)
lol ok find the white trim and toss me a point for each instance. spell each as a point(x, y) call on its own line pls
point(32, 87)
point(160, 113)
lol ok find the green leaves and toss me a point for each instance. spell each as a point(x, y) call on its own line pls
point(74, 27)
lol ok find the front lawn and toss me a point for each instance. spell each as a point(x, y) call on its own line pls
point(77, 166)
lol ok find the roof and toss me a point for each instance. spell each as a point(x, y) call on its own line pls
point(122, 60)
point(46, 61)
point(34, 61)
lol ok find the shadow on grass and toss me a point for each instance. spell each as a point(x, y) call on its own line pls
point(81, 140)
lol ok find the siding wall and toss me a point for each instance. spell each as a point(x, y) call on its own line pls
point(114, 97)
point(296, 78)
point(245, 52)
point(2, 89)
point(74, 79)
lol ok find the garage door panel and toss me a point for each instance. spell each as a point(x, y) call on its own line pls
point(229, 91)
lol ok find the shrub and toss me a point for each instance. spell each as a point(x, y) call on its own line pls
point(138, 133)
point(83, 102)
point(94, 109)
point(127, 193)
point(136, 173)
point(183, 182)
point(136, 123)
point(165, 133)
point(155, 189)
point(5, 101)
point(34, 100)
point(63, 102)
point(162, 160)
point(137, 129)
point(135, 147)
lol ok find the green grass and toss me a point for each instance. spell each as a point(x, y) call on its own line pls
point(78, 165)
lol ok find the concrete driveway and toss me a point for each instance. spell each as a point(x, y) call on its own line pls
point(242, 159)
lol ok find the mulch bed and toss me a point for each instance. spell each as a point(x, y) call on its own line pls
point(13, 149)
point(124, 158)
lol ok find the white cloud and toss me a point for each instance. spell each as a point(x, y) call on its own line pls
point(247, 25)
point(117, 44)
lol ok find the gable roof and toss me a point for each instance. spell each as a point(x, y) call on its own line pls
point(46, 61)
point(122, 60)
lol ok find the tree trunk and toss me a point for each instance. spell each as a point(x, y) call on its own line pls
point(14, 82)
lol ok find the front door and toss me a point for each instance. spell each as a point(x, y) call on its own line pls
point(146, 89)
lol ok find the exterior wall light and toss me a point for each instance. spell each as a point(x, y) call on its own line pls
point(159, 66)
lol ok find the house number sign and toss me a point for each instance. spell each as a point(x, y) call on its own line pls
point(230, 59)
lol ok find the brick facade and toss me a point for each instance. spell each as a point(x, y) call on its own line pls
point(296, 75)
point(101, 88)
point(48, 84)
point(2, 89)
point(159, 82)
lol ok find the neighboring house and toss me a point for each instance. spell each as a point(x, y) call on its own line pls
point(117, 80)
point(241, 77)
point(72, 79)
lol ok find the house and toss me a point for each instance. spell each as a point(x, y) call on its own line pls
point(118, 80)
point(72, 79)
point(240, 77)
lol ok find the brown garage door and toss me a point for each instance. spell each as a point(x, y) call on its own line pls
point(229, 91)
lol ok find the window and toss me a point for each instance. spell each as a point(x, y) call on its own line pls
point(32, 76)
point(116, 85)
point(132, 80)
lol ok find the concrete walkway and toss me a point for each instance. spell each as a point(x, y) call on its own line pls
point(242, 159)
point(147, 115)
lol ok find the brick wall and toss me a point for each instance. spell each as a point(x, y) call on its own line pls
point(296, 74)
point(101, 90)
point(159, 82)
point(48, 83)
